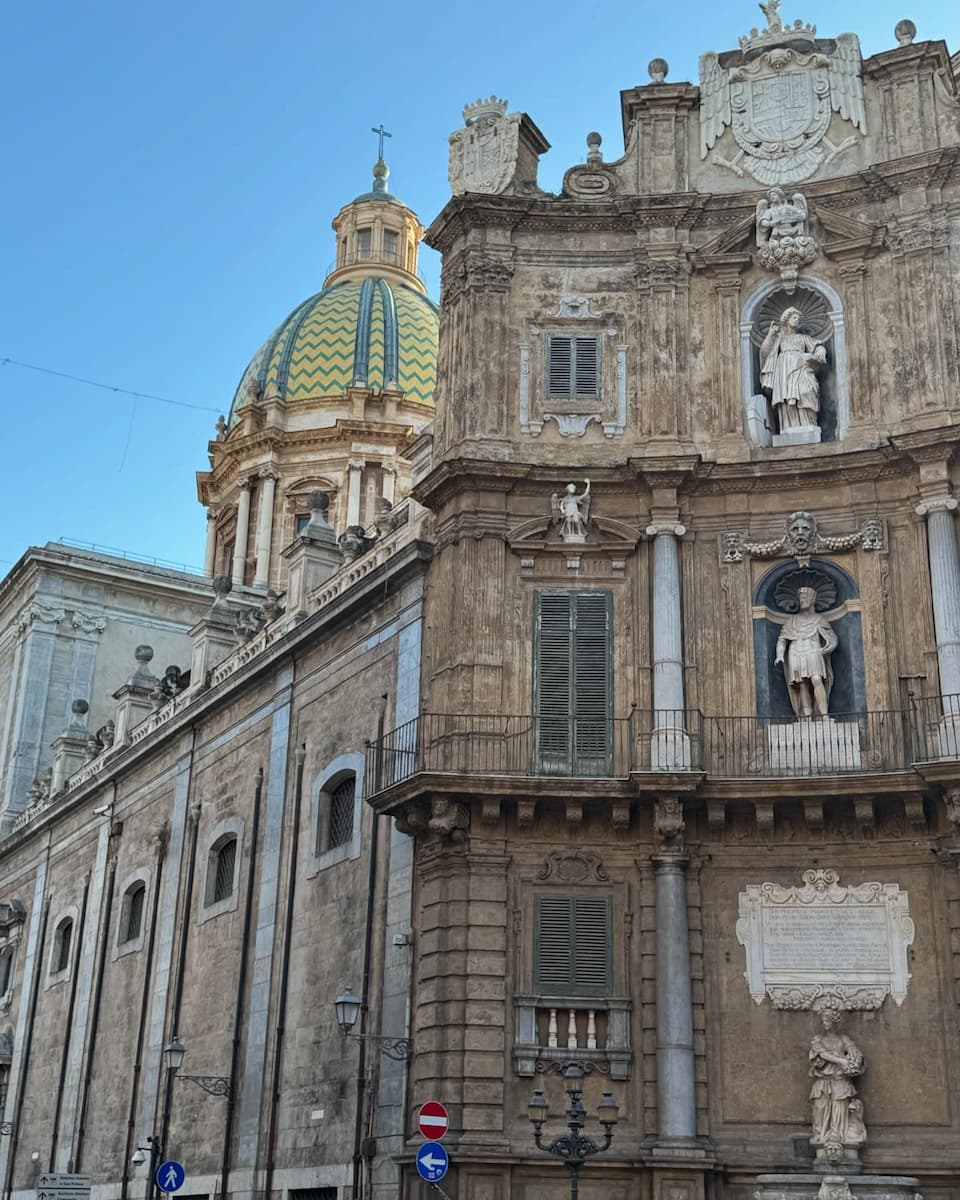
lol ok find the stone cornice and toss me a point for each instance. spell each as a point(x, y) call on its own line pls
point(686, 210)
point(409, 562)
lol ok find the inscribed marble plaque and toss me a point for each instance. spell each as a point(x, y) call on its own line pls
point(823, 941)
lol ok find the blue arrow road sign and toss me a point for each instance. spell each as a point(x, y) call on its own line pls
point(432, 1161)
point(170, 1176)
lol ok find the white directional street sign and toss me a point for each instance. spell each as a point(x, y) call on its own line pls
point(63, 1187)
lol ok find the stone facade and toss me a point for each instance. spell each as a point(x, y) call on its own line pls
point(578, 769)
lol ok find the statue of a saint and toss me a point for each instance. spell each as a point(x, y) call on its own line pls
point(572, 512)
point(837, 1112)
point(804, 647)
point(788, 364)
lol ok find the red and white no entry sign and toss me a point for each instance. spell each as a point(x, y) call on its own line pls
point(433, 1120)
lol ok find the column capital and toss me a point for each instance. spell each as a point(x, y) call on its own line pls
point(937, 504)
point(212, 514)
point(268, 473)
point(245, 484)
point(668, 862)
point(674, 528)
point(356, 464)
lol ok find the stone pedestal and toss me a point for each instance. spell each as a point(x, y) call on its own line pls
point(806, 435)
point(134, 703)
point(213, 637)
point(669, 749)
point(837, 1186)
point(313, 557)
point(815, 744)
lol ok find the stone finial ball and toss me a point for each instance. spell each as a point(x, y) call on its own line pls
point(658, 68)
point(593, 140)
point(80, 708)
point(905, 31)
point(143, 654)
point(319, 501)
point(222, 586)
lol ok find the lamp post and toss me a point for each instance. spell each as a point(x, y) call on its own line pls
point(348, 1007)
point(574, 1148)
point(215, 1085)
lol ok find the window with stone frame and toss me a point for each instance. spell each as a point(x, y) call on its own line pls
point(62, 942)
point(132, 912)
point(340, 816)
point(573, 951)
point(221, 870)
point(573, 367)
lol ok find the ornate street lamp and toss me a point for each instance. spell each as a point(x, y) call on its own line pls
point(574, 1148)
point(348, 1007)
point(215, 1085)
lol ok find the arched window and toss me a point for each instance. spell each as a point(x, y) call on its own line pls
point(131, 912)
point(221, 869)
point(340, 818)
point(336, 804)
point(62, 941)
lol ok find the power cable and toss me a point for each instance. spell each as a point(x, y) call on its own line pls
point(106, 387)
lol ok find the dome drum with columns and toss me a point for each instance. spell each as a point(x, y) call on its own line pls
point(330, 400)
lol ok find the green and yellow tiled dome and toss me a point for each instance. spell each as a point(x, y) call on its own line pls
point(363, 332)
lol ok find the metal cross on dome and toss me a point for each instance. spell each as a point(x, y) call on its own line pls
point(381, 133)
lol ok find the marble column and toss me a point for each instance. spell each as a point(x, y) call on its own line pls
point(389, 486)
point(354, 476)
point(210, 551)
point(945, 586)
point(676, 1081)
point(669, 744)
point(243, 530)
point(268, 486)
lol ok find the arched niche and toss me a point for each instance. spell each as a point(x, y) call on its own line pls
point(821, 318)
point(774, 599)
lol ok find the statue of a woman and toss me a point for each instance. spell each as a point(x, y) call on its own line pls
point(837, 1113)
point(788, 364)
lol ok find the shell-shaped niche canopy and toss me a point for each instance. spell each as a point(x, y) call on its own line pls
point(814, 311)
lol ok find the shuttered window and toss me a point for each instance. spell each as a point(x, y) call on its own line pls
point(573, 682)
point(573, 368)
point(572, 945)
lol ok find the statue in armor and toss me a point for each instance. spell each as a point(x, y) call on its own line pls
point(804, 647)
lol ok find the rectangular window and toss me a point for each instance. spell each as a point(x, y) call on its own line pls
point(572, 945)
point(573, 681)
point(573, 368)
point(390, 245)
point(363, 243)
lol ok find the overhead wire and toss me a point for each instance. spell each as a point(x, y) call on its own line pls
point(107, 387)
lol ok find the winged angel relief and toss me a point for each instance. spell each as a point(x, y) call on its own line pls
point(778, 102)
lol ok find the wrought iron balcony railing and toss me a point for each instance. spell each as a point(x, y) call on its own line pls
point(660, 740)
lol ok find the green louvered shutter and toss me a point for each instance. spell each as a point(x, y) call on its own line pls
point(572, 945)
point(573, 682)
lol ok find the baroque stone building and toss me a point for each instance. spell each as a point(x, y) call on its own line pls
point(625, 734)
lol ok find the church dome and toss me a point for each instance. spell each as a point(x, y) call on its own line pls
point(365, 332)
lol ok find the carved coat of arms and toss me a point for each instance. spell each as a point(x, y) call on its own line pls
point(777, 95)
point(483, 156)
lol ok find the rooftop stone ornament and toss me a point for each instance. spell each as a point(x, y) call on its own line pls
point(657, 69)
point(483, 156)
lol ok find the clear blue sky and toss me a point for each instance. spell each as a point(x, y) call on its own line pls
point(170, 175)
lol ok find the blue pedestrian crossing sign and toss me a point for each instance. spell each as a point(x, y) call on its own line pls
point(432, 1161)
point(170, 1176)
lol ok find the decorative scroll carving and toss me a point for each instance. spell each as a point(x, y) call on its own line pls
point(573, 866)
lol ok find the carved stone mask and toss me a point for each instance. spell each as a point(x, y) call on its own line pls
point(801, 531)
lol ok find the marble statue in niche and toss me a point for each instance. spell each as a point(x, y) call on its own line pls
point(804, 647)
point(789, 361)
point(837, 1112)
point(572, 513)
